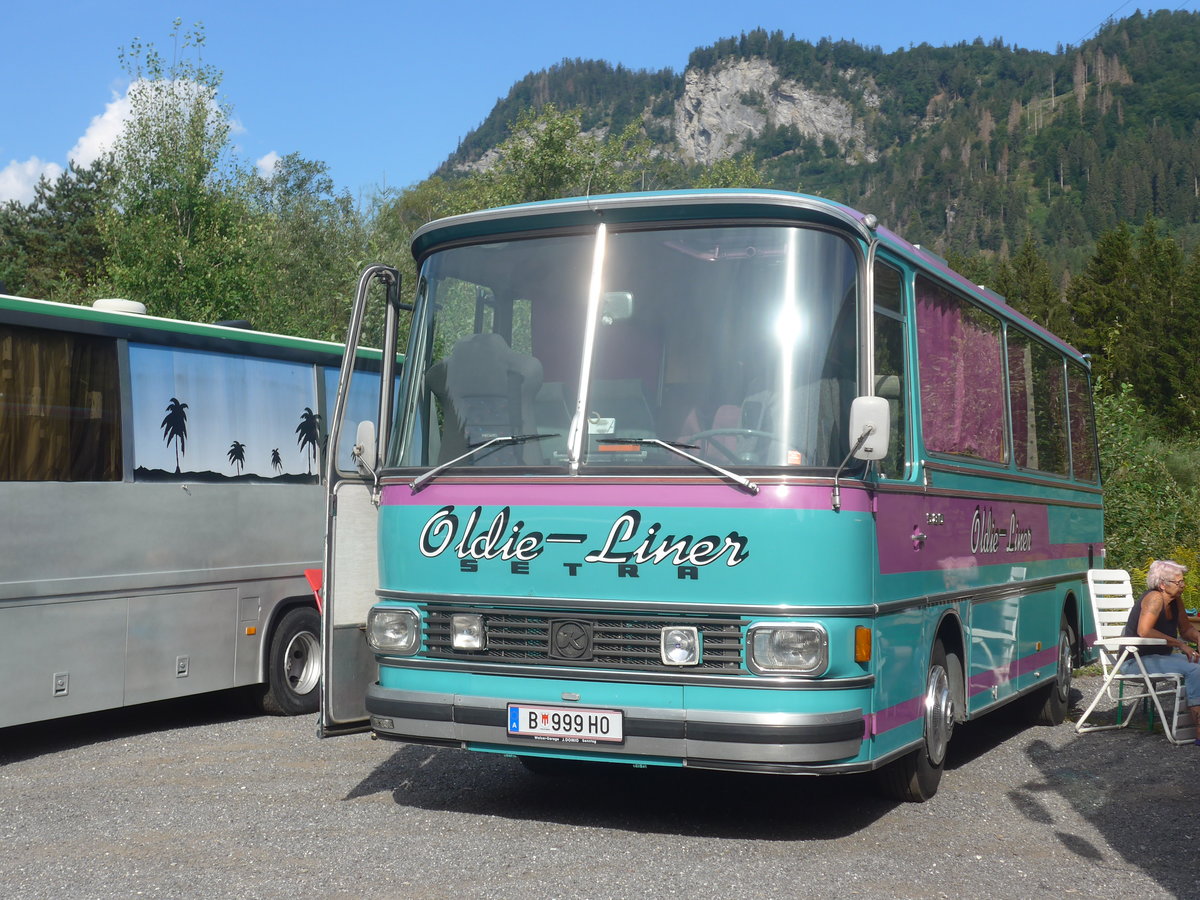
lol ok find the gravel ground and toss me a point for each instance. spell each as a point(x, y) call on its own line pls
point(188, 800)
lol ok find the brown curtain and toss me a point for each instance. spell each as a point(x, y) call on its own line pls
point(59, 407)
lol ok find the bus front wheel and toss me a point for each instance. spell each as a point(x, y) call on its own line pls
point(914, 778)
point(293, 665)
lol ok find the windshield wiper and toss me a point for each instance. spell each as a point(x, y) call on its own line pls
point(421, 480)
point(682, 450)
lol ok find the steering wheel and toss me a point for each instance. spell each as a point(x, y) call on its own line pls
point(706, 436)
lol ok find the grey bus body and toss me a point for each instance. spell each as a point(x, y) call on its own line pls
point(131, 579)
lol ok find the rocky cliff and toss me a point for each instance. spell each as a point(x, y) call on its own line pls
point(722, 108)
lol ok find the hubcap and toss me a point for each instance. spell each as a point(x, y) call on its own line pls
point(302, 662)
point(939, 714)
point(1064, 666)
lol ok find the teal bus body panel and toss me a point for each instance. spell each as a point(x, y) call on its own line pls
point(665, 547)
point(783, 555)
point(773, 552)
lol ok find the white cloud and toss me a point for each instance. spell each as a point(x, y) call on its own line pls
point(266, 164)
point(18, 179)
point(101, 132)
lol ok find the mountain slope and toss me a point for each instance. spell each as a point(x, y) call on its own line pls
point(965, 148)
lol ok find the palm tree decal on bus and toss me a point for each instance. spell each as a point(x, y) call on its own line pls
point(174, 427)
point(237, 455)
point(276, 460)
point(308, 434)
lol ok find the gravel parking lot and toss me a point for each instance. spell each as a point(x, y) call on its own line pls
point(187, 799)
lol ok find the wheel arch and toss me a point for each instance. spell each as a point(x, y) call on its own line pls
point(950, 632)
point(281, 609)
point(1072, 613)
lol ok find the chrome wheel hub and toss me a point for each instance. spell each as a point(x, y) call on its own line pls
point(302, 662)
point(1063, 680)
point(939, 714)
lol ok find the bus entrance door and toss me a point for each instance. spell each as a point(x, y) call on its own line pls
point(362, 414)
point(351, 576)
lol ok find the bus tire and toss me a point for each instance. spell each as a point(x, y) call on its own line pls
point(914, 778)
point(293, 665)
point(1049, 704)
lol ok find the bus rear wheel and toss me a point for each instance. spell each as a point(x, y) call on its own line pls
point(914, 778)
point(293, 665)
point(1049, 704)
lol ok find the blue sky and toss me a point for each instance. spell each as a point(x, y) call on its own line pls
point(383, 91)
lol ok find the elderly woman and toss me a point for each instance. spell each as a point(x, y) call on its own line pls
point(1158, 613)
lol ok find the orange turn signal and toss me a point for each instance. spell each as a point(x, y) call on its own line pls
point(862, 644)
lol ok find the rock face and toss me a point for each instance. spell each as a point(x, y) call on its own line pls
point(739, 99)
point(723, 107)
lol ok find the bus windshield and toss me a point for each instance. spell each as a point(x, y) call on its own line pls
point(737, 343)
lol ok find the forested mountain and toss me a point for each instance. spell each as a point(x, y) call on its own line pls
point(968, 149)
point(1068, 182)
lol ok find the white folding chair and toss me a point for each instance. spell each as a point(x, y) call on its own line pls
point(1112, 598)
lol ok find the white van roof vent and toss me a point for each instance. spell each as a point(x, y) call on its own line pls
point(116, 304)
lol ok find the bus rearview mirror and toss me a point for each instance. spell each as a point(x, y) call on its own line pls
point(364, 448)
point(616, 306)
point(871, 417)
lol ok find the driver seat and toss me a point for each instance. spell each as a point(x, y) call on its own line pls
point(487, 390)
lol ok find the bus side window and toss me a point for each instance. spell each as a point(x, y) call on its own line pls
point(961, 368)
point(889, 363)
point(1083, 426)
point(60, 397)
point(1038, 405)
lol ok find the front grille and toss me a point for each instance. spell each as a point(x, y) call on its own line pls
point(620, 641)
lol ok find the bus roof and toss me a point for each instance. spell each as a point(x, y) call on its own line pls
point(649, 206)
point(138, 326)
point(724, 203)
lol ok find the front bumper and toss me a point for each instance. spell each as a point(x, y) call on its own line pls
point(698, 738)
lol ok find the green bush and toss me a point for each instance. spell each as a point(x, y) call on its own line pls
point(1151, 492)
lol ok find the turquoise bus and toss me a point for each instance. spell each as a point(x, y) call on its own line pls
point(733, 480)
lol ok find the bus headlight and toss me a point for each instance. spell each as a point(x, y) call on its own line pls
point(394, 631)
point(467, 632)
point(792, 649)
point(680, 646)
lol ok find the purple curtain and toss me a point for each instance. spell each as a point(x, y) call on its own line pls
point(962, 375)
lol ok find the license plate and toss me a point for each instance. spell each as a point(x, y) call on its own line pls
point(566, 725)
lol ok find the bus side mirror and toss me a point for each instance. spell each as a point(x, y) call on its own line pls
point(870, 426)
point(363, 453)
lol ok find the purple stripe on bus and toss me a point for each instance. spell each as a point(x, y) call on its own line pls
point(960, 534)
point(706, 496)
point(985, 681)
point(912, 710)
point(896, 716)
